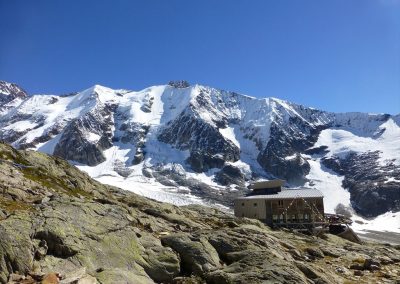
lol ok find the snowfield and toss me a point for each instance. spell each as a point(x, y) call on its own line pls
point(340, 142)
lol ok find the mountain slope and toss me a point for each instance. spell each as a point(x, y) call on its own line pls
point(55, 220)
point(178, 142)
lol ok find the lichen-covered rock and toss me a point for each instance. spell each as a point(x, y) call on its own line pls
point(15, 246)
point(315, 252)
point(197, 254)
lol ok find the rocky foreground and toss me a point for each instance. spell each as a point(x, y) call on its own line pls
point(57, 225)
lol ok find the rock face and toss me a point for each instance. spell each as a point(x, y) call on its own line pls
point(230, 175)
point(290, 141)
point(221, 140)
point(85, 138)
point(10, 92)
point(58, 223)
point(373, 187)
point(208, 148)
point(179, 84)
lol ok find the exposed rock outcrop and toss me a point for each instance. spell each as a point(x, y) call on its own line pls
point(9, 92)
point(288, 139)
point(85, 138)
point(58, 224)
point(208, 148)
point(230, 175)
point(373, 187)
point(179, 84)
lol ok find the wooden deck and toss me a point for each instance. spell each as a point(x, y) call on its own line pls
point(325, 222)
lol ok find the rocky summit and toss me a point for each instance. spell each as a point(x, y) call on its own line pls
point(58, 225)
point(181, 142)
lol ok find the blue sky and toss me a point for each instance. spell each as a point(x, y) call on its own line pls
point(341, 55)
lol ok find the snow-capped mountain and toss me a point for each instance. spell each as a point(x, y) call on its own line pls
point(181, 142)
point(10, 95)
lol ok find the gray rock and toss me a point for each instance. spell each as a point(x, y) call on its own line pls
point(230, 175)
point(311, 273)
point(179, 84)
point(366, 178)
point(9, 92)
point(196, 254)
point(2, 214)
point(357, 266)
point(208, 147)
point(74, 143)
point(295, 254)
point(315, 252)
point(330, 251)
point(371, 264)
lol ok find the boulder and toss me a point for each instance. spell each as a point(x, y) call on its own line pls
point(230, 175)
point(315, 252)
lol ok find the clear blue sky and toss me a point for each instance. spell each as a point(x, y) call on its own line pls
point(338, 55)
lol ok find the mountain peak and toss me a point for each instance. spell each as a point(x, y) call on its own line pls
point(180, 84)
point(99, 89)
point(10, 91)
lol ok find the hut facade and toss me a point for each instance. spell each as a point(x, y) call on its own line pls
point(277, 206)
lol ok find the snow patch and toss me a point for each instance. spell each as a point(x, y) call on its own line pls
point(388, 222)
point(21, 125)
point(329, 183)
point(48, 147)
point(229, 134)
point(92, 137)
point(341, 142)
point(391, 179)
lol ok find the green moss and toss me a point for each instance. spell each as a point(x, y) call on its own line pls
point(12, 156)
point(136, 250)
point(41, 177)
point(360, 260)
point(12, 206)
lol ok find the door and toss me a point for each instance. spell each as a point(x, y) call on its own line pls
point(268, 212)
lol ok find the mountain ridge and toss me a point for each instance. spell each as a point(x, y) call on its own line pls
point(211, 143)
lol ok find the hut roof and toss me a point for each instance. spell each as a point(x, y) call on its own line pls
point(267, 184)
point(288, 194)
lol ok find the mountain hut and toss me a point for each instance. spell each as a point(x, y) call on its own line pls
point(278, 206)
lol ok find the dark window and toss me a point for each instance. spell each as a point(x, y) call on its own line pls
point(280, 203)
point(242, 203)
point(255, 204)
